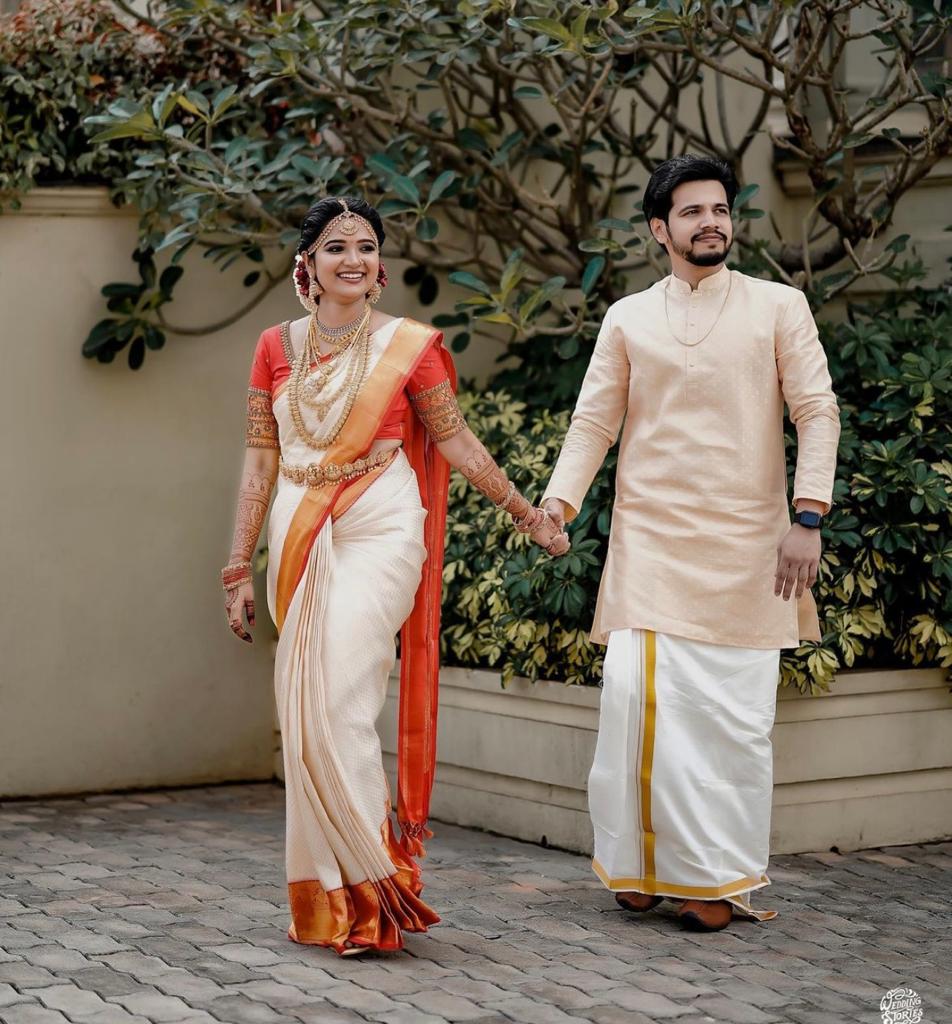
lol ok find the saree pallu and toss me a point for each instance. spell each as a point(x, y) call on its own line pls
point(349, 567)
point(681, 786)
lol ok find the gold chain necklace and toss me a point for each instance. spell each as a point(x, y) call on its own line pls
point(354, 381)
point(691, 344)
point(327, 368)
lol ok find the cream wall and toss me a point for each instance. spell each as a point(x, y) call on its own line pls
point(118, 669)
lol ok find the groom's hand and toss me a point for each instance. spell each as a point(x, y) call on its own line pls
point(556, 509)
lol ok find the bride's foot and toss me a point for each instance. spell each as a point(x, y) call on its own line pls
point(350, 949)
point(639, 902)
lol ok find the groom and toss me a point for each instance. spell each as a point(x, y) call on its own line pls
point(706, 579)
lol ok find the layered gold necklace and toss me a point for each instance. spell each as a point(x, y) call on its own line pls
point(348, 361)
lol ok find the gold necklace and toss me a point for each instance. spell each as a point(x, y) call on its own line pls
point(337, 332)
point(691, 344)
point(326, 368)
point(318, 391)
point(352, 386)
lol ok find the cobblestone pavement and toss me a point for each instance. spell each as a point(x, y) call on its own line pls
point(169, 906)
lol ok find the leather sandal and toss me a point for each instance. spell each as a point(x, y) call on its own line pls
point(639, 902)
point(705, 915)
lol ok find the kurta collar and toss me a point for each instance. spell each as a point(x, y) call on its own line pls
point(709, 286)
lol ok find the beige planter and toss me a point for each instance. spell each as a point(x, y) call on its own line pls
point(868, 765)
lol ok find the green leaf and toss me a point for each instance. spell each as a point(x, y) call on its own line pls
point(745, 195)
point(467, 280)
point(169, 278)
point(593, 270)
point(121, 291)
point(100, 335)
point(857, 139)
point(528, 92)
point(392, 207)
point(443, 182)
point(511, 273)
point(427, 229)
point(550, 28)
point(568, 347)
point(137, 353)
point(614, 224)
point(750, 213)
point(598, 245)
point(469, 138)
point(177, 234)
point(222, 97)
point(406, 188)
point(140, 125)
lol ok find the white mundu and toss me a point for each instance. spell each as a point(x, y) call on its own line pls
point(680, 789)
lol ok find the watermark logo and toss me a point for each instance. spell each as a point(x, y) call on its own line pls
point(901, 1006)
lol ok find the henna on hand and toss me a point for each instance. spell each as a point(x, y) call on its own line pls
point(253, 499)
point(484, 473)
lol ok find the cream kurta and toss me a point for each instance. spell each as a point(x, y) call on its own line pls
point(701, 486)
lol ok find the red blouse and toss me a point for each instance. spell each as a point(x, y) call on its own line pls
point(270, 370)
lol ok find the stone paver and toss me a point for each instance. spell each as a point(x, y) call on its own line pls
point(169, 908)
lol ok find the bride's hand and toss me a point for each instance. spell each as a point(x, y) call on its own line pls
point(240, 602)
point(551, 537)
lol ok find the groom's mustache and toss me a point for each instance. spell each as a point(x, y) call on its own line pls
point(710, 234)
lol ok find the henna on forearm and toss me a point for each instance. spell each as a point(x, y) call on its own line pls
point(484, 473)
point(439, 412)
point(262, 427)
point(253, 499)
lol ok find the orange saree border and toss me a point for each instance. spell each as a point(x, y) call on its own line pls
point(368, 913)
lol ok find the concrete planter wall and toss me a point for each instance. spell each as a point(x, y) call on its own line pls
point(869, 764)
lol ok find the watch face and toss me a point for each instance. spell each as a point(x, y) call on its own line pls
point(809, 518)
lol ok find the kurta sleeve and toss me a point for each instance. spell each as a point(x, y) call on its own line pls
point(808, 392)
point(599, 412)
point(262, 428)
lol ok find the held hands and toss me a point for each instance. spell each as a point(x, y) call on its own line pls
point(240, 602)
point(798, 556)
point(550, 536)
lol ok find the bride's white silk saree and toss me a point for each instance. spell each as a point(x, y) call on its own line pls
point(351, 564)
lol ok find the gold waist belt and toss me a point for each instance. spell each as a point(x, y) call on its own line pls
point(318, 474)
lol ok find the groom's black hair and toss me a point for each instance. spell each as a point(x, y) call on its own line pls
point(676, 171)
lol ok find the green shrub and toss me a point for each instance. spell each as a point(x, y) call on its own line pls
point(58, 63)
point(64, 60)
point(884, 589)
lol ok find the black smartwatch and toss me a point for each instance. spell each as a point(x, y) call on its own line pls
point(811, 520)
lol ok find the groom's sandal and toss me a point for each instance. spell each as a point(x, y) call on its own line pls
point(639, 902)
point(705, 915)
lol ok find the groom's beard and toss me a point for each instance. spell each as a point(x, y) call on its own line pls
point(705, 259)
